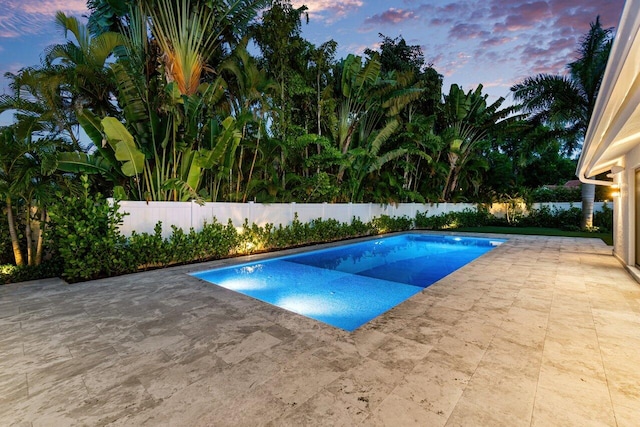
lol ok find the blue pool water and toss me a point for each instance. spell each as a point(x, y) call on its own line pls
point(349, 285)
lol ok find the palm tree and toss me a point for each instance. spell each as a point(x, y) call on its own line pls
point(40, 94)
point(11, 155)
point(566, 102)
point(247, 93)
point(26, 186)
point(84, 64)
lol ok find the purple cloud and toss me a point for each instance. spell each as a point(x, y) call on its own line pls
point(495, 41)
point(517, 17)
point(391, 17)
point(436, 22)
point(464, 31)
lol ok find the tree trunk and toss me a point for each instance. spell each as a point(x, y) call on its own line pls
point(588, 196)
point(253, 162)
point(40, 244)
point(319, 107)
point(17, 253)
point(446, 191)
point(27, 232)
point(345, 150)
point(240, 177)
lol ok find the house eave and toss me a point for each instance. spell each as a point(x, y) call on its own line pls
point(614, 129)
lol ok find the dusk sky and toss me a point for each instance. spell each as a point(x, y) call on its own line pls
point(493, 42)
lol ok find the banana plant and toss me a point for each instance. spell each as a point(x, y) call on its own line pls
point(367, 159)
point(469, 122)
point(172, 125)
point(367, 100)
point(119, 157)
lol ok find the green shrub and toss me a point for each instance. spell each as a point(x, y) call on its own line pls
point(151, 249)
point(604, 219)
point(556, 194)
point(473, 218)
point(358, 228)
point(88, 244)
point(388, 224)
point(453, 220)
point(545, 216)
point(434, 222)
point(542, 217)
point(214, 241)
point(256, 238)
point(85, 235)
point(10, 273)
point(569, 219)
point(217, 240)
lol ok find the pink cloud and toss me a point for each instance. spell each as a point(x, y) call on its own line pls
point(578, 14)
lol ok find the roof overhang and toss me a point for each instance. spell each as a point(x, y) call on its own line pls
point(614, 129)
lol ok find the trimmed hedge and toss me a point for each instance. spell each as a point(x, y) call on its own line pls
point(88, 244)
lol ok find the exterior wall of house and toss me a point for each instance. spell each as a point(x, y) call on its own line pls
point(625, 210)
point(620, 214)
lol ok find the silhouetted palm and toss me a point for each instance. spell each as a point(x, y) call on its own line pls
point(565, 103)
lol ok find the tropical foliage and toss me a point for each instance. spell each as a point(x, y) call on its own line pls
point(224, 100)
point(565, 103)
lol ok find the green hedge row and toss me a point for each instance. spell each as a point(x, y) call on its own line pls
point(88, 245)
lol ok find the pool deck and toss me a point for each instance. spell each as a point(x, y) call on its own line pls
point(540, 331)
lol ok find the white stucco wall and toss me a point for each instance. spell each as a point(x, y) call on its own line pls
point(142, 216)
point(624, 210)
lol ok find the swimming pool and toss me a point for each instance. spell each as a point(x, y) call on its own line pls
point(348, 285)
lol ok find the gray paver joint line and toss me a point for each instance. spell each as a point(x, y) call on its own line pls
point(541, 331)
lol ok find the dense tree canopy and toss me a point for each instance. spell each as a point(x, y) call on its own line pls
point(225, 100)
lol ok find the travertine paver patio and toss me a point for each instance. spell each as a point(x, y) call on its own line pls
point(541, 331)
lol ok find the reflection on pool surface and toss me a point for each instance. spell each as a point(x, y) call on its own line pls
point(348, 285)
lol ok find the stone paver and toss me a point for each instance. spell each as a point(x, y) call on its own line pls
point(541, 331)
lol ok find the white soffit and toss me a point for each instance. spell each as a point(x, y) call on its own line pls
point(614, 129)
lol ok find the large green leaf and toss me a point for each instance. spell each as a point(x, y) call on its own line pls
point(83, 162)
point(93, 128)
point(91, 125)
point(383, 136)
point(124, 146)
point(224, 141)
point(191, 169)
point(187, 192)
